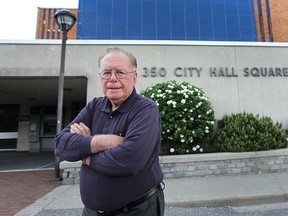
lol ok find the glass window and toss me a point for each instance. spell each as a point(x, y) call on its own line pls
point(104, 17)
point(218, 9)
point(167, 19)
point(163, 18)
point(241, 2)
point(79, 30)
point(119, 5)
point(191, 7)
point(93, 5)
point(152, 37)
point(192, 19)
point(164, 30)
point(244, 10)
point(233, 32)
point(246, 33)
point(219, 20)
point(8, 143)
point(163, 38)
point(192, 1)
point(219, 1)
point(205, 20)
point(220, 32)
point(192, 32)
point(206, 32)
point(178, 32)
point(163, 6)
point(149, 5)
point(177, 18)
point(118, 30)
point(134, 31)
point(9, 115)
point(89, 18)
point(134, 17)
point(134, 5)
point(119, 17)
point(245, 20)
point(149, 30)
point(204, 8)
point(104, 5)
point(103, 31)
point(205, 1)
point(149, 18)
point(89, 30)
point(231, 9)
point(177, 6)
point(232, 2)
point(232, 21)
point(88, 37)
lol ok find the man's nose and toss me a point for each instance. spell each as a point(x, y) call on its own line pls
point(113, 76)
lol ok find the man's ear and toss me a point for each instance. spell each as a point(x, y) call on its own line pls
point(135, 78)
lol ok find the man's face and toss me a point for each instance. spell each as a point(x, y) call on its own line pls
point(117, 90)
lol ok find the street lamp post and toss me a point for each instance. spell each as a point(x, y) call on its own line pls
point(65, 20)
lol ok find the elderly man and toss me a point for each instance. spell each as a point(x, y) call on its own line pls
point(118, 138)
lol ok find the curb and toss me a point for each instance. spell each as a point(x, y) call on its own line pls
point(233, 201)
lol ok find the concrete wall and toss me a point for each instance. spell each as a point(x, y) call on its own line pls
point(229, 73)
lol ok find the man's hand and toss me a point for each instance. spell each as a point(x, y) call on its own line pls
point(80, 128)
point(86, 161)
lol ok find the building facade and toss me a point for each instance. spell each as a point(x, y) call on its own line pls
point(47, 27)
point(213, 20)
point(235, 76)
point(166, 36)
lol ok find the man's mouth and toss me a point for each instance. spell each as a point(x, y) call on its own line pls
point(113, 88)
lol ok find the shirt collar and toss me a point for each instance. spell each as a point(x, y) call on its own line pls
point(124, 107)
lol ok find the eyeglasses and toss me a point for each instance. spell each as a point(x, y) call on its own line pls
point(106, 74)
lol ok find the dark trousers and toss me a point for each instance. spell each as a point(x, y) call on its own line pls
point(153, 206)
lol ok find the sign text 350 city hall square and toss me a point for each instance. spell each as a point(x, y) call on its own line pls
point(216, 71)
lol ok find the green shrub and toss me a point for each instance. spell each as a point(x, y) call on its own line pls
point(247, 132)
point(187, 117)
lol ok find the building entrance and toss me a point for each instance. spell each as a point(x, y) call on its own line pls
point(42, 128)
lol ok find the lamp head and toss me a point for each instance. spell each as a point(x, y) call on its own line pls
point(65, 19)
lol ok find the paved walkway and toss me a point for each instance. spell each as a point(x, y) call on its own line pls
point(24, 178)
point(22, 188)
point(212, 191)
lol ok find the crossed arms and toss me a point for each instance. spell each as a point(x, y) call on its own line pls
point(98, 143)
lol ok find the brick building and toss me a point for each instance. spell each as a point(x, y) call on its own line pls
point(271, 20)
point(47, 27)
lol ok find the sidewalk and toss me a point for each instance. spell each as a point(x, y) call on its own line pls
point(24, 178)
point(212, 191)
point(19, 189)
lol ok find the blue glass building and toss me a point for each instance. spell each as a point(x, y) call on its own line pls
point(213, 20)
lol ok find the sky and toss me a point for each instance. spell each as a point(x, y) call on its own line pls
point(18, 17)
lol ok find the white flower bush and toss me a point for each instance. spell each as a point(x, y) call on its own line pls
point(186, 114)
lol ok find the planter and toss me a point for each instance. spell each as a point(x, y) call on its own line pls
point(175, 166)
point(196, 165)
